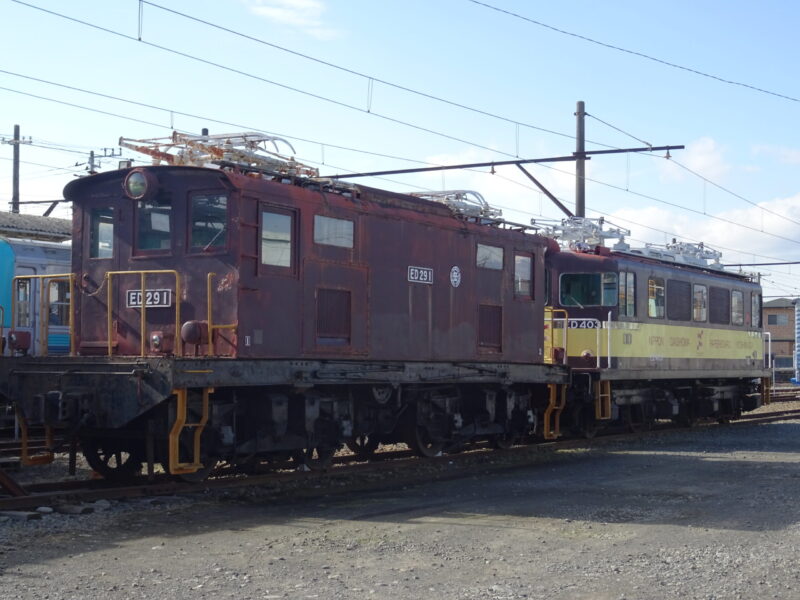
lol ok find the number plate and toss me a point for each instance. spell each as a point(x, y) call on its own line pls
point(420, 275)
point(153, 298)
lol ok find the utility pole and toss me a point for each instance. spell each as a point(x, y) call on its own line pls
point(15, 168)
point(580, 161)
point(15, 176)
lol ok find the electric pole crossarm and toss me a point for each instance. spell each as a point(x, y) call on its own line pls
point(626, 150)
point(494, 163)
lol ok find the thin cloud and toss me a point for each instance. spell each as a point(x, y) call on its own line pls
point(305, 15)
point(786, 156)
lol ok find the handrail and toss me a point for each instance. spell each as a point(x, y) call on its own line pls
point(142, 317)
point(44, 305)
point(210, 314)
point(549, 316)
point(2, 322)
point(176, 467)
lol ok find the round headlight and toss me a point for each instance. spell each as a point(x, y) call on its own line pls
point(136, 185)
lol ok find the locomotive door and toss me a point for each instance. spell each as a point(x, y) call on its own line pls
point(100, 253)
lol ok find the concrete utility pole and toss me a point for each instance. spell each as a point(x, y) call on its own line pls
point(580, 162)
point(15, 176)
point(16, 141)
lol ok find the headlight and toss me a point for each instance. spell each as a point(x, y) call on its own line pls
point(136, 185)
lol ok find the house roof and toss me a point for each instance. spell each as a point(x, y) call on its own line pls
point(35, 227)
point(779, 303)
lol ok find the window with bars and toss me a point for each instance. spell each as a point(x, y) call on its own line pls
point(627, 294)
point(719, 302)
point(679, 300)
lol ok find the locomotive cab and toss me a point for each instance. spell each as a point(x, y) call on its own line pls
point(153, 241)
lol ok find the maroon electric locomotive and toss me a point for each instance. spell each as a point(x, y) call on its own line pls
point(246, 310)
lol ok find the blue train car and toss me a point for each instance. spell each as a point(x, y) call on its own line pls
point(41, 302)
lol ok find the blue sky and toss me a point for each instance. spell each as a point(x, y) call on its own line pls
point(740, 195)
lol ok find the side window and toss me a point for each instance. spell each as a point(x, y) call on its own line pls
point(209, 221)
point(778, 319)
point(719, 306)
point(154, 230)
point(737, 307)
point(23, 316)
point(333, 232)
point(679, 300)
point(627, 294)
point(101, 233)
point(59, 302)
point(655, 298)
point(588, 289)
point(523, 275)
point(755, 301)
point(699, 303)
point(276, 239)
point(489, 257)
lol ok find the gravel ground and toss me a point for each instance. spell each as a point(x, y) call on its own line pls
point(709, 514)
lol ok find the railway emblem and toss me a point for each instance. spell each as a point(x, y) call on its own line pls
point(455, 277)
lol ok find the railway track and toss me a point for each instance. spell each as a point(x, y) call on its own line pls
point(349, 474)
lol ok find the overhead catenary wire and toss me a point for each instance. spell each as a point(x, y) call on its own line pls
point(352, 107)
point(634, 52)
point(420, 162)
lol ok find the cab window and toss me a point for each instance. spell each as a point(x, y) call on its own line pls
point(101, 233)
point(755, 302)
point(154, 229)
point(276, 239)
point(209, 222)
point(588, 289)
point(737, 307)
point(523, 278)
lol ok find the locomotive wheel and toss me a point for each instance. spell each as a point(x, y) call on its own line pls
point(110, 459)
point(420, 442)
point(633, 422)
point(318, 458)
point(363, 446)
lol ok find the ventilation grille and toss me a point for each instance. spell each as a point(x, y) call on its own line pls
point(333, 317)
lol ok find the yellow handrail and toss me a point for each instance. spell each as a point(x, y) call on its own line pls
point(44, 305)
point(176, 467)
point(142, 317)
point(550, 320)
point(551, 421)
point(210, 314)
point(25, 458)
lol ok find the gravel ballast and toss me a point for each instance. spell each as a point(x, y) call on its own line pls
point(710, 513)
